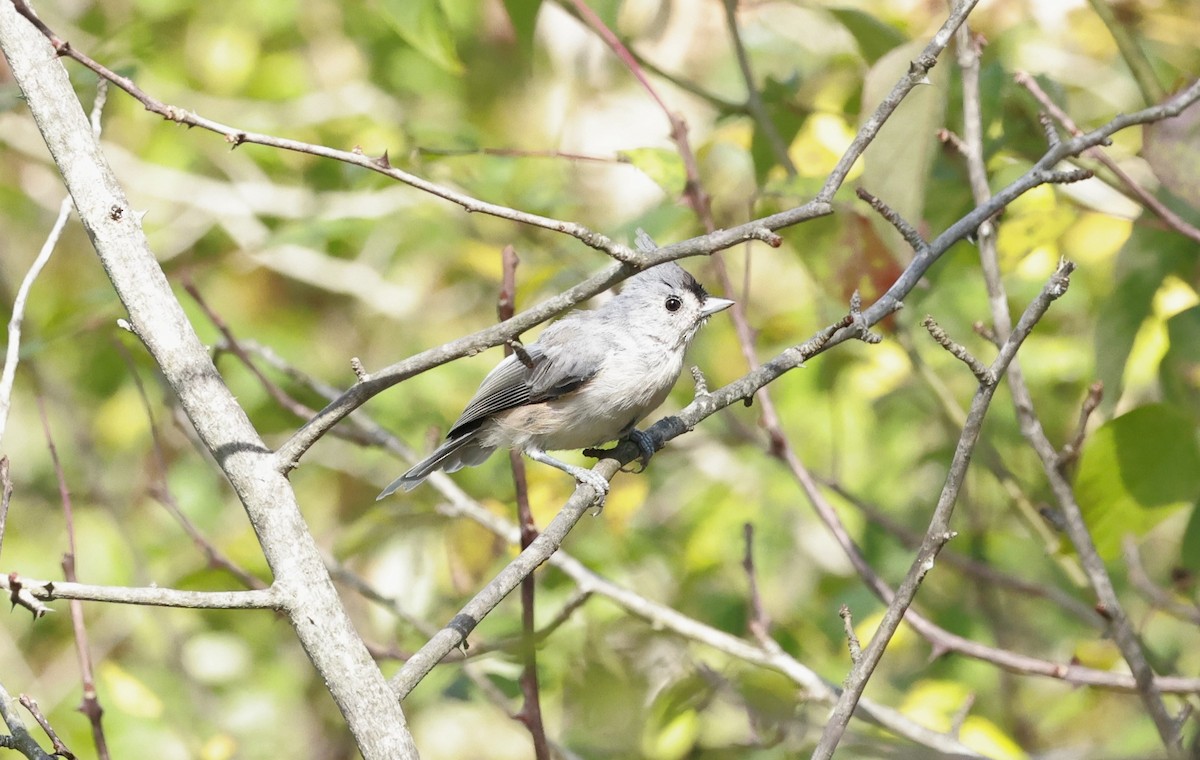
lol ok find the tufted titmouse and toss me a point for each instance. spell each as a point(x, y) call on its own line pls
point(589, 378)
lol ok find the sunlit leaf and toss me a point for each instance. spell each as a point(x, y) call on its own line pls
point(661, 165)
point(1173, 149)
point(1179, 372)
point(1145, 261)
point(523, 16)
point(1135, 471)
point(874, 37)
point(898, 161)
point(423, 24)
point(128, 692)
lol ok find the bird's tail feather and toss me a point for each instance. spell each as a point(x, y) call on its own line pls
point(450, 456)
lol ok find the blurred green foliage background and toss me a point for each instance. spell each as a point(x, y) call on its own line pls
point(322, 262)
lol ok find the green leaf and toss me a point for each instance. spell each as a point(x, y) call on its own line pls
point(874, 37)
point(523, 16)
point(898, 162)
point(661, 165)
point(1172, 148)
point(1143, 263)
point(423, 24)
point(1179, 372)
point(1189, 548)
point(1135, 471)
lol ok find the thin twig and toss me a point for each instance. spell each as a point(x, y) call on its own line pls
point(978, 368)
point(530, 714)
point(60, 748)
point(515, 153)
point(6, 489)
point(754, 102)
point(20, 739)
point(1139, 193)
point(759, 624)
point(1031, 427)
point(692, 189)
point(13, 352)
point(1070, 452)
point(939, 532)
point(161, 490)
point(851, 636)
point(90, 706)
point(380, 164)
point(1155, 595)
point(910, 234)
point(153, 596)
point(1131, 51)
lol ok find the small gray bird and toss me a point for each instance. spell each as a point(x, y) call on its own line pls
point(590, 378)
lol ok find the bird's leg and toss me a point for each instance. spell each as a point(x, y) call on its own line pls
point(581, 474)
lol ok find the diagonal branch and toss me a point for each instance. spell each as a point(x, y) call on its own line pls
point(939, 532)
point(302, 584)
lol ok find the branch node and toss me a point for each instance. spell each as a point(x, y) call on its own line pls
point(1060, 281)
point(700, 382)
point(359, 371)
point(859, 322)
point(1067, 176)
point(765, 235)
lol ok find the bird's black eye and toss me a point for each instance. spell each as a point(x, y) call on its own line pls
point(673, 303)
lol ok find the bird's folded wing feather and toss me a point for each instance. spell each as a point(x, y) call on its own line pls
point(555, 371)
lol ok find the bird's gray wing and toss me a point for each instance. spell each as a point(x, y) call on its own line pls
point(560, 365)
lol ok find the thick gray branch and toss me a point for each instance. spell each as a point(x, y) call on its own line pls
point(305, 590)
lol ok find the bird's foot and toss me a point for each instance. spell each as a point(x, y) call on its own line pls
point(645, 444)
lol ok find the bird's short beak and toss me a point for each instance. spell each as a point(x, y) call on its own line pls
point(712, 305)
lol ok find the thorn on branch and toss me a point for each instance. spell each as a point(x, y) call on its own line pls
point(383, 162)
point(910, 234)
point(19, 594)
point(235, 139)
point(981, 372)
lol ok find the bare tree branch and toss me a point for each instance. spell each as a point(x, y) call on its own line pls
point(20, 738)
point(302, 585)
point(939, 531)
